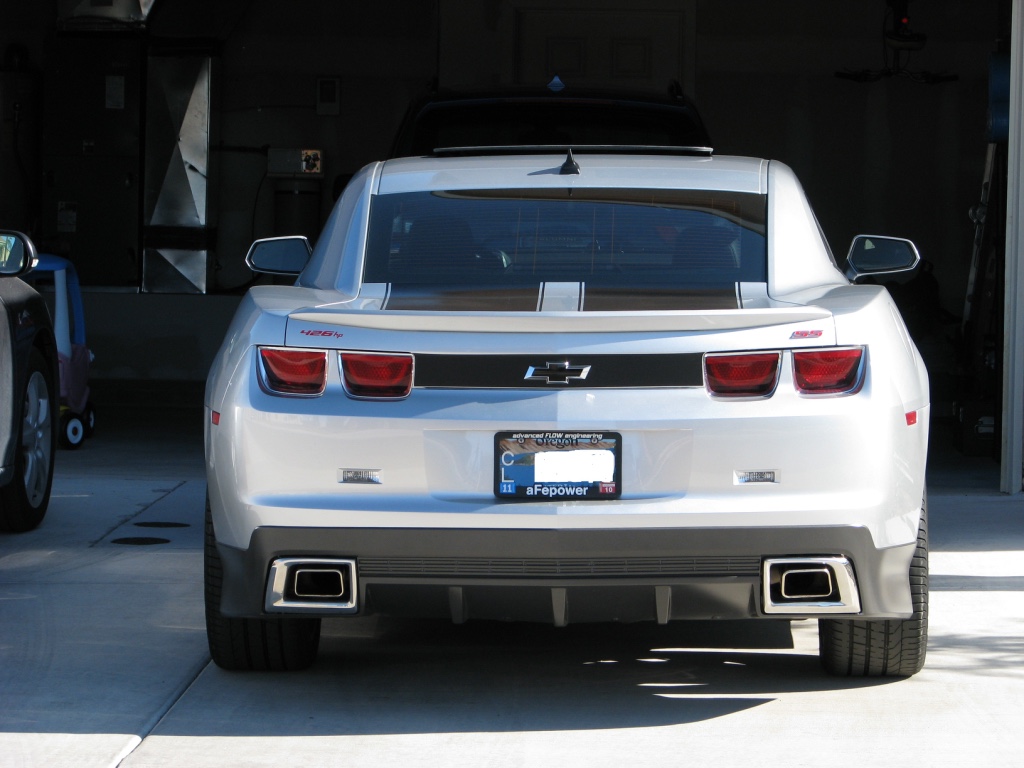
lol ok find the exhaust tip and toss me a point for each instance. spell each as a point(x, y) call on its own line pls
point(321, 583)
point(807, 584)
point(810, 585)
point(307, 585)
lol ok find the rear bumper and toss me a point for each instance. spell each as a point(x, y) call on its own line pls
point(566, 576)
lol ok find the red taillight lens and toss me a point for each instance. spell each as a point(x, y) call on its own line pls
point(828, 371)
point(376, 375)
point(293, 371)
point(753, 374)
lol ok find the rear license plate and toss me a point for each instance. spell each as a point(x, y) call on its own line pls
point(563, 466)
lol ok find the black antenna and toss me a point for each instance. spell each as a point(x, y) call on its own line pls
point(570, 167)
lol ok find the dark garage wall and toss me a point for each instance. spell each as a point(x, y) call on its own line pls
point(892, 156)
point(381, 54)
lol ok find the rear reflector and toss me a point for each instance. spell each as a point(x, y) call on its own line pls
point(828, 371)
point(752, 374)
point(373, 375)
point(301, 372)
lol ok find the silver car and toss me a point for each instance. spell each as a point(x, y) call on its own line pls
point(569, 387)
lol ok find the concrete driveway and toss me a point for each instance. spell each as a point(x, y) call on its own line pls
point(103, 657)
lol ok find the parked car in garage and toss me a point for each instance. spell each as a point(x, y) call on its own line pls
point(556, 115)
point(28, 394)
point(558, 384)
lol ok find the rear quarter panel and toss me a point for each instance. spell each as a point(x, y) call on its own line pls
point(866, 314)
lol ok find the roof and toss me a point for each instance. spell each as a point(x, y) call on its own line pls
point(739, 174)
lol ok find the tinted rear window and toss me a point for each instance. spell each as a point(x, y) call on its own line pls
point(501, 240)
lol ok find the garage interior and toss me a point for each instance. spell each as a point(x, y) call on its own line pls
point(150, 141)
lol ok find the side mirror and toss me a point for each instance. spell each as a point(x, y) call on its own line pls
point(877, 255)
point(279, 255)
point(17, 254)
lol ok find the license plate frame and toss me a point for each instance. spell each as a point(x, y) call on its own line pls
point(559, 465)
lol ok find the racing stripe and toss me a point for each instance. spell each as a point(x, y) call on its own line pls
point(561, 297)
point(556, 297)
point(458, 298)
point(638, 298)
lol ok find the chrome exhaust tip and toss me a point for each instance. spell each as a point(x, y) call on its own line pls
point(809, 585)
point(321, 583)
point(309, 585)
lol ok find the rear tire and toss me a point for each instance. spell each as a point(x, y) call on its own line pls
point(252, 644)
point(23, 501)
point(892, 648)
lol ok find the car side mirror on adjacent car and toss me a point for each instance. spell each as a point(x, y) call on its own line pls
point(17, 253)
point(279, 255)
point(878, 255)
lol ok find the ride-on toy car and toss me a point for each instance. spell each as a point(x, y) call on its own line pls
point(77, 414)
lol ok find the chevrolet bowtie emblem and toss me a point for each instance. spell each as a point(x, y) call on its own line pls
point(557, 373)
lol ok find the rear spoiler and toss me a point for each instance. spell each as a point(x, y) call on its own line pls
point(561, 322)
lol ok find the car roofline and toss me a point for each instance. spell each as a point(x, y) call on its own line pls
point(545, 149)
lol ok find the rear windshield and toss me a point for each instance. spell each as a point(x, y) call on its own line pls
point(636, 240)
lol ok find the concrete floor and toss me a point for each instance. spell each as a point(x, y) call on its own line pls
point(103, 657)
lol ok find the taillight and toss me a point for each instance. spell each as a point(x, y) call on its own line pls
point(828, 371)
point(300, 372)
point(376, 375)
point(750, 374)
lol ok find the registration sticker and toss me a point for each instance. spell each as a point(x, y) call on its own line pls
point(564, 466)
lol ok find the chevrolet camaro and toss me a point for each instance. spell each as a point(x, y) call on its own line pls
point(569, 386)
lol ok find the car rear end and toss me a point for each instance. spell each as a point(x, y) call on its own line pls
point(562, 400)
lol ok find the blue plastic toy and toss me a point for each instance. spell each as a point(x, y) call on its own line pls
point(77, 415)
